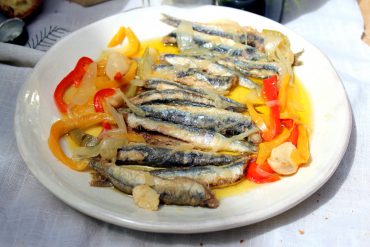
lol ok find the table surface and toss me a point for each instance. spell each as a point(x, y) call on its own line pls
point(338, 214)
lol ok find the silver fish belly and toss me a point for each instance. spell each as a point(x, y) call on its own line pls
point(200, 138)
point(213, 176)
point(178, 191)
point(155, 156)
point(222, 121)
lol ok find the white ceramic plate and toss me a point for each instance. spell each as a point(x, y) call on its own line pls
point(36, 112)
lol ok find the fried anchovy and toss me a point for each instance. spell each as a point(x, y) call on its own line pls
point(256, 69)
point(210, 175)
point(155, 156)
point(179, 191)
point(219, 45)
point(182, 97)
point(222, 121)
point(196, 78)
point(200, 138)
point(160, 84)
point(244, 36)
point(204, 64)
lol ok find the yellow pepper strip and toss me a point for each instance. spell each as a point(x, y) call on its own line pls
point(283, 92)
point(133, 45)
point(102, 82)
point(118, 37)
point(302, 154)
point(62, 127)
point(265, 148)
point(131, 73)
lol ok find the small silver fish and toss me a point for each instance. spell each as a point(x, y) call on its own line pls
point(255, 69)
point(178, 191)
point(206, 64)
point(196, 78)
point(231, 31)
point(155, 156)
point(185, 97)
point(220, 45)
point(161, 84)
point(213, 176)
point(200, 138)
point(225, 122)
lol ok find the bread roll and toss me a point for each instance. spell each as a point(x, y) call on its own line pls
point(19, 8)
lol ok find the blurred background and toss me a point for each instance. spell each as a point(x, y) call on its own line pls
point(38, 24)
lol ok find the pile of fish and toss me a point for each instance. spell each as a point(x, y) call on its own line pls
point(196, 137)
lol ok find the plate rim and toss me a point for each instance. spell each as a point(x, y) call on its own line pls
point(95, 211)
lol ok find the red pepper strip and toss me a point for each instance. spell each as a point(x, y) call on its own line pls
point(258, 175)
point(266, 167)
point(74, 77)
point(118, 76)
point(98, 103)
point(270, 93)
point(289, 123)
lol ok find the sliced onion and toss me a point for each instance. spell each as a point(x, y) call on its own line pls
point(118, 118)
point(86, 152)
point(109, 147)
point(111, 133)
point(138, 111)
point(277, 47)
point(150, 56)
point(116, 63)
point(131, 90)
point(243, 135)
point(184, 36)
point(137, 82)
point(87, 87)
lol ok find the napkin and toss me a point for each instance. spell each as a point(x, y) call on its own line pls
point(336, 215)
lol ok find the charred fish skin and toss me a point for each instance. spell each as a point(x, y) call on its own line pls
point(212, 176)
point(200, 138)
point(178, 191)
point(197, 62)
point(222, 121)
point(153, 156)
point(249, 37)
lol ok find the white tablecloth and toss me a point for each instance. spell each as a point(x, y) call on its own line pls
point(336, 215)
